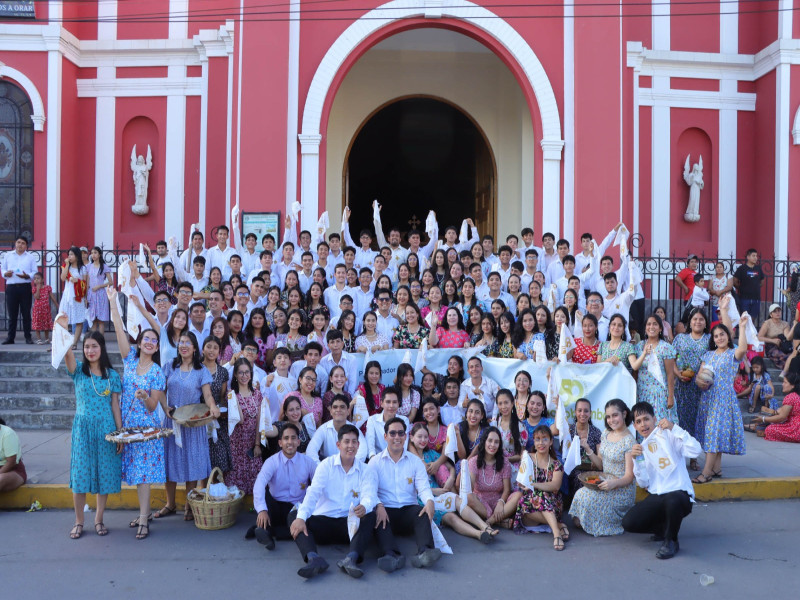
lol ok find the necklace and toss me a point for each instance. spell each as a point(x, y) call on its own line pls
point(536, 467)
point(104, 392)
point(181, 372)
point(494, 475)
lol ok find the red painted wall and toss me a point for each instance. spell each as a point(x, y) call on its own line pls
point(757, 210)
point(217, 136)
point(694, 27)
point(191, 173)
point(143, 19)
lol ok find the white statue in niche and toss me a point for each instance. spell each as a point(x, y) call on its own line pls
point(141, 178)
point(694, 179)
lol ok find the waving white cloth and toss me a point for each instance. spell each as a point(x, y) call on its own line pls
point(654, 367)
point(539, 351)
point(352, 522)
point(62, 341)
point(360, 412)
point(563, 428)
point(733, 312)
point(376, 211)
point(451, 443)
point(573, 457)
point(430, 224)
point(621, 239)
point(465, 487)
point(234, 414)
point(296, 208)
point(525, 473)
point(438, 540)
point(264, 420)
point(566, 344)
point(752, 335)
point(324, 223)
point(406, 357)
point(423, 349)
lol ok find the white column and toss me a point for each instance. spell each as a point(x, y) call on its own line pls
point(782, 136)
point(238, 117)
point(635, 227)
point(551, 176)
point(292, 113)
point(309, 187)
point(203, 177)
point(174, 165)
point(728, 136)
point(54, 92)
point(569, 120)
point(660, 140)
point(229, 134)
point(527, 174)
point(105, 168)
point(178, 22)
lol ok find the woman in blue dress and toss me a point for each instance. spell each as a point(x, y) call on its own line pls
point(142, 391)
point(656, 388)
point(188, 382)
point(690, 348)
point(95, 464)
point(719, 421)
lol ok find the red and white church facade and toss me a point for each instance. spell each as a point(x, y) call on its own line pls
point(582, 113)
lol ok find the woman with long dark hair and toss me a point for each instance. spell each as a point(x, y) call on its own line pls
point(73, 301)
point(99, 278)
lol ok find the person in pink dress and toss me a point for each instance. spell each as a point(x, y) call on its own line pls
point(587, 347)
point(490, 476)
point(783, 425)
point(245, 443)
point(450, 333)
point(41, 315)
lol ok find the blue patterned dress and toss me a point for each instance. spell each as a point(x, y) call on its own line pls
point(95, 467)
point(687, 395)
point(648, 388)
point(719, 421)
point(142, 462)
point(192, 461)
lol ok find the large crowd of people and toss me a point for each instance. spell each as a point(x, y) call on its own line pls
point(285, 329)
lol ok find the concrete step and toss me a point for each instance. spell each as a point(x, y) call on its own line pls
point(48, 419)
point(29, 371)
point(36, 386)
point(42, 357)
point(36, 402)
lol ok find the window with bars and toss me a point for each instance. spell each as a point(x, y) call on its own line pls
point(16, 164)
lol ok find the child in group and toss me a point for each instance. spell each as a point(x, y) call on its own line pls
point(761, 389)
point(660, 467)
point(741, 383)
point(41, 315)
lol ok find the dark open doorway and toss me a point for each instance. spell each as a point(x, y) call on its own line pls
point(415, 155)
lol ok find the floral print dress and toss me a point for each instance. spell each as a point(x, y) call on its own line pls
point(649, 389)
point(406, 339)
point(687, 395)
point(719, 420)
point(538, 500)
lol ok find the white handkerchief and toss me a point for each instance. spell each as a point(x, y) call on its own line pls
point(142, 259)
point(264, 420)
point(451, 443)
point(429, 319)
point(176, 431)
point(406, 357)
point(733, 311)
point(234, 415)
point(360, 412)
point(376, 211)
point(423, 348)
point(352, 522)
point(430, 223)
point(654, 367)
point(566, 343)
point(752, 335)
point(438, 540)
point(621, 239)
point(573, 458)
point(465, 487)
point(324, 222)
point(525, 473)
point(540, 351)
point(310, 423)
point(296, 208)
point(211, 430)
point(62, 342)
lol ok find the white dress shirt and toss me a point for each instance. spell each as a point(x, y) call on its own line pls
point(399, 483)
point(277, 390)
point(653, 473)
point(324, 442)
point(376, 442)
point(386, 326)
point(350, 365)
point(333, 296)
point(19, 264)
point(333, 490)
point(487, 392)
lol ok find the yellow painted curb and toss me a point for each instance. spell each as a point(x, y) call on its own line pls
point(60, 496)
point(773, 488)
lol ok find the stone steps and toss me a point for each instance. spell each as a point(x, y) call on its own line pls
point(40, 403)
point(45, 419)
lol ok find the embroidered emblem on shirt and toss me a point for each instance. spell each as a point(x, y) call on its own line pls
point(410, 480)
point(355, 493)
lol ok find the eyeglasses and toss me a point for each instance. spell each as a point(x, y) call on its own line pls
point(594, 301)
point(184, 344)
point(395, 433)
point(250, 351)
point(184, 292)
point(243, 374)
point(149, 340)
point(384, 299)
point(310, 379)
point(243, 295)
point(162, 301)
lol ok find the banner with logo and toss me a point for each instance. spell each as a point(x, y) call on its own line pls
point(598, 383)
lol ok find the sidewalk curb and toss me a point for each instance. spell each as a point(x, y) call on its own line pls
point(59, 496)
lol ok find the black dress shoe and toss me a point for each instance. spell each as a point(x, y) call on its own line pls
point(29, 340)
point(349, 566)
point(264, 537)
point(6, 342)
point(390, 562)
point(668, 550)
point(251, 533)
point(315, 566)
point(426, 558)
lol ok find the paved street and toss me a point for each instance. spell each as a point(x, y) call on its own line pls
point(749, 548)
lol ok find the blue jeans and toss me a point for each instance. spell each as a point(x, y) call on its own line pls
point(752, 307)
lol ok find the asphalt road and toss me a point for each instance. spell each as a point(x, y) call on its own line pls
point(750, 548)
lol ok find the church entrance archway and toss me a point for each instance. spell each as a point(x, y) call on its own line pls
point(416, 154)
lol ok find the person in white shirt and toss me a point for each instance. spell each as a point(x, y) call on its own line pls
point(197, 277)
point(700, 295)
point(548, 255)
point(451, 411)
point(340, 482)
point(487, 243)
point(323, 442)
point(187, 258)
point(364, 253)
point(555, 269)
point(616, 303)
point(386, 323)
point(527, 244)
point(376, 440)
point(312, 353)
point(495, 293)
point(334, 293)
point(531, 266)
point(363, 294)
point(401, 478)
point(594, 306)
point(306, 274)
point(660, 467)
point(199, 325)
point(219, 255)
point(337, 358)
point(423, 252)
point(562, 283)
point(503, 267)
point(481, 287)
point(591, 252)
point(18, 269)
point(399, 254)
point(478, 387)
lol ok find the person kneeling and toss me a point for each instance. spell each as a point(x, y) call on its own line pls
point(340, 482)
point(659, 466)
point(400, 478)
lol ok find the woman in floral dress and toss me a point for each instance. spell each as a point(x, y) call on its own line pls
point(617, 350)
point(219, 451)
point(450, 333)
point(513, 435)
point(690, 348)
point(490, 475)
point(600, 512)
point(99, 279)
point(413, 332)
point(719, 421)
point(143, 386)
point(658, 391)
point(245, 439)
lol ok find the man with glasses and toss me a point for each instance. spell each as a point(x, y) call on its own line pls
point(594, 306)
point(401, 477)
point(387, 324)
point(183, 293)
point(250, 352)
point(312, 353)
point(340, 482)
point(241, 296)
point(323, 442)
point(162, 303)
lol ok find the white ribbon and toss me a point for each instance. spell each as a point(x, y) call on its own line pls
point(234, 414)
point(352, 522)
point(423, 348)
point(465, 487)
point(264, 420)
point(451, 443)
point(62, 341)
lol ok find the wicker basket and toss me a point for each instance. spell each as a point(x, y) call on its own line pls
point(211, 514)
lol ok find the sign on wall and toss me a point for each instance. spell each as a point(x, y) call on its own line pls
point(261, 223)
point(23, 9)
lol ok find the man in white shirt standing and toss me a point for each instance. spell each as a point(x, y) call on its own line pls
point(387, 324)
point(18, 269)
point(401, 477)
point(197, 249)
point(323, 443)
point(660, 467)
point(340, 481)
point(334, 293)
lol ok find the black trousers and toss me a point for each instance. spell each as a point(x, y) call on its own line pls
point(330, 530)
point(278, 516)
point(19, 297)
point(404, 521)
point(660, 514)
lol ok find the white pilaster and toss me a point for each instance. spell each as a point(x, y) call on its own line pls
point(782, 139)
point(105, 168)
point(292, 112)
point(551, 172)
point(238, 117)
point(178, 19)
point(660, 140)
point(175, 163)
point(569, 120)
point(203, 176)
point(54, 92)
point(309, 169)
point(728, 136)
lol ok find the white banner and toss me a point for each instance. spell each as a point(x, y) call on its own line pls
point(598, 383)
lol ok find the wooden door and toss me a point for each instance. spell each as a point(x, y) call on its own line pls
point(485, 189)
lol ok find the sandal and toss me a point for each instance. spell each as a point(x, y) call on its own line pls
point(188, 515)
point(693, 465)
point(702, 478)
point(558, 544)
point(562, 529)
point(100, 529)
point(135, 522)
point(142, 532)
point(165, 512)
point(76, 532)
point(717, 474)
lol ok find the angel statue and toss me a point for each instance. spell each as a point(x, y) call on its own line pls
point(141, 177)
point(694, 179)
